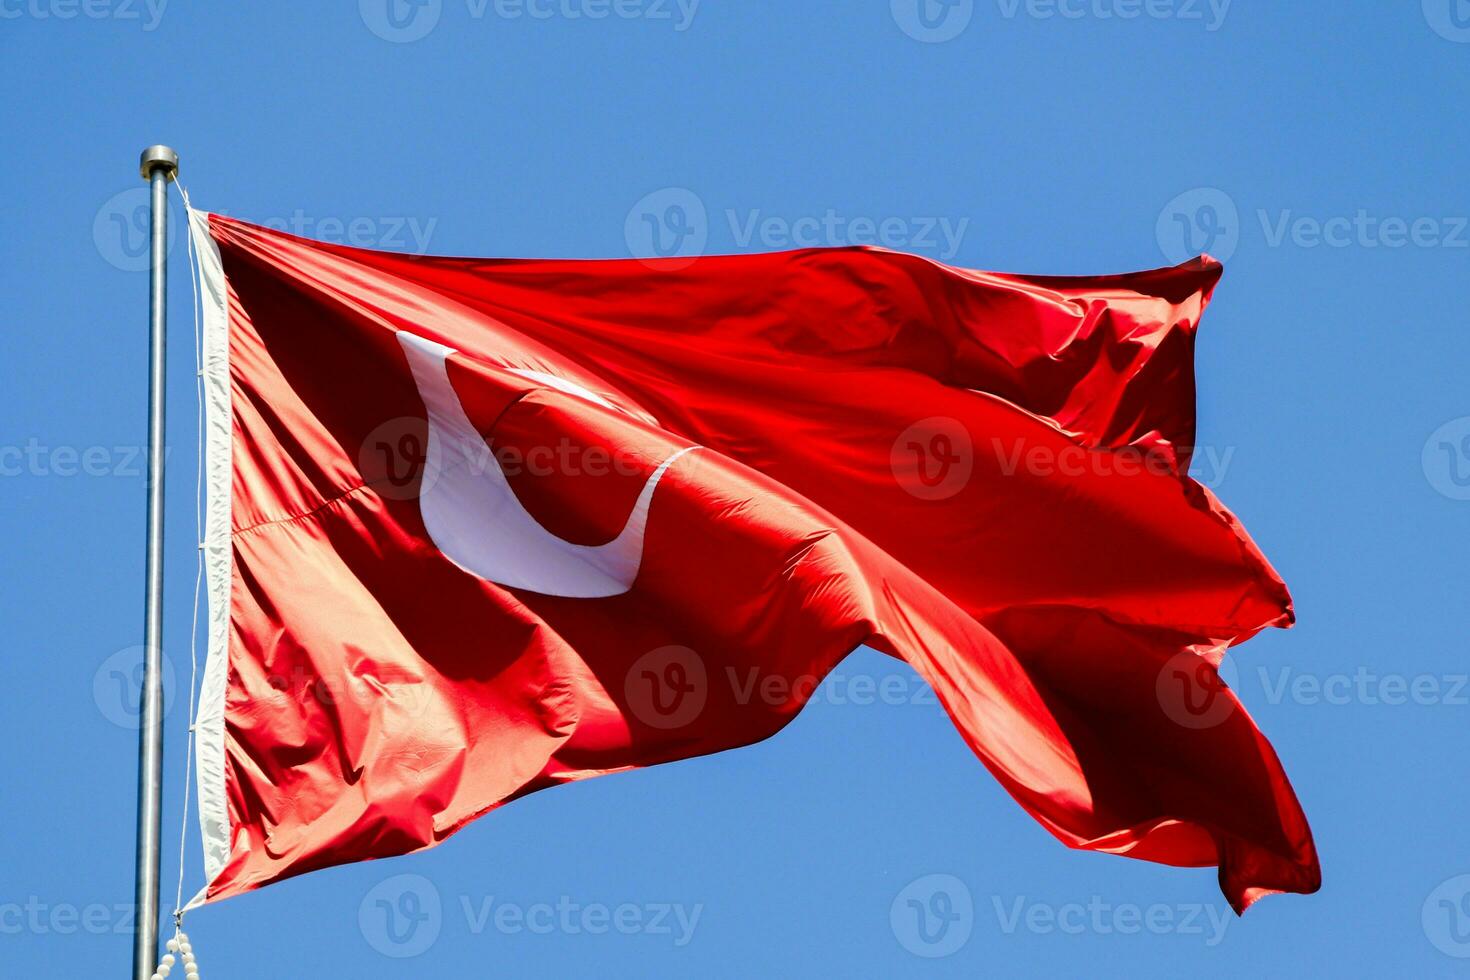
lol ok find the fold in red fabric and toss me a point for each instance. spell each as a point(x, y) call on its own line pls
point(501, 524)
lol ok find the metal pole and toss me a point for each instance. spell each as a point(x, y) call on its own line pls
point(158, 166)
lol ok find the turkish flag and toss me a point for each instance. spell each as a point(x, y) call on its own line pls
point(478, 527)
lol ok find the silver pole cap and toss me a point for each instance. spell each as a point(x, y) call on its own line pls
point(159, 156)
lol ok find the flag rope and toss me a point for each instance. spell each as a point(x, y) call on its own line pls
point(180, 942)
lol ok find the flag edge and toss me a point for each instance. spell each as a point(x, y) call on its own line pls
point(209, 729)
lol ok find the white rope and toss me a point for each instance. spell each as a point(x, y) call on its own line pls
point(179, 937)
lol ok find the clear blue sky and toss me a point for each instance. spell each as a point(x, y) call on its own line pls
point(1321, 149)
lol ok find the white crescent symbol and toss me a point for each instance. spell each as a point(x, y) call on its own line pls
point(474, 517)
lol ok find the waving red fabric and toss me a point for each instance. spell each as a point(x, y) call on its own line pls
point(495, 525)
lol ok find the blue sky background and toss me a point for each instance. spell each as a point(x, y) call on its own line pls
point(1320, 149)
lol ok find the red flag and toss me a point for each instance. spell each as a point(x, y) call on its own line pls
point(479, 527)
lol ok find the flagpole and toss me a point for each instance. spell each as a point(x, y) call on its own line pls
point(159, 165)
